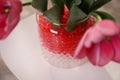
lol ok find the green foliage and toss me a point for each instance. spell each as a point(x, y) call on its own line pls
point(86, 5)
point(76, 2)
point(67, 3)
point(53, 15)
point(76, 15)
point(79, 10)
point(104, 15)
point(99, 3)
point(40, 5)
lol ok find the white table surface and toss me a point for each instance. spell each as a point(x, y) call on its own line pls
point(112, 68)
point(21, 51)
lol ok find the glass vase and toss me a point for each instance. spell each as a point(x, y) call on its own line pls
point(58, 45)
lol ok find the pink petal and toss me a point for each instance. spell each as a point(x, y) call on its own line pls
point(80, 50)
point(14, 15)
point(88, 40)
point(94, 36)
point(93, 54)
point(106, 53)
point(116, 45)
point(100, 54)
point(11, 19)
point(108, 27)
point(81, 54)
point(2, 16)
point(97, 36)
point(2, 22)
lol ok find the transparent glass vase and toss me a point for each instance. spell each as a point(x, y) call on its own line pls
point(55, 48)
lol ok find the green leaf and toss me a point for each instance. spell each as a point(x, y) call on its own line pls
point(59, 4)
point(40, 5)
point(104, 15)
point(99, 3)
point(76, 2)
point(76, 15)
point(53, 15)
point(68, 3)
point(86, 5)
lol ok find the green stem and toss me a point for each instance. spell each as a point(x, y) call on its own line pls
point(27, 4)
point(98, 17)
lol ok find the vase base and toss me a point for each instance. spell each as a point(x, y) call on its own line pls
point(61, 60)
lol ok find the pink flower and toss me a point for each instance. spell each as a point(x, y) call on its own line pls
point(9, 16)
point(100, 43)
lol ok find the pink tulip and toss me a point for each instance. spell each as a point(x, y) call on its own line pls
point(100, 43)
point(9, 16)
